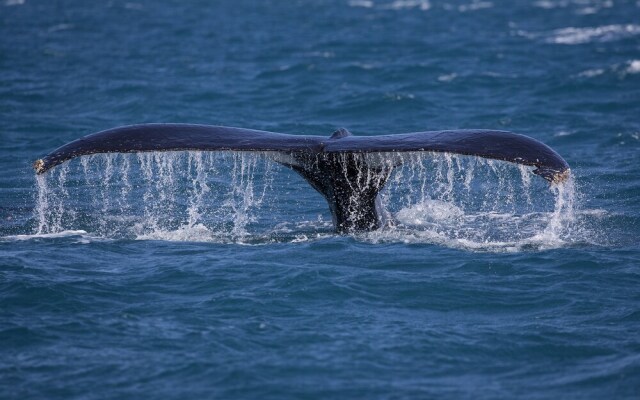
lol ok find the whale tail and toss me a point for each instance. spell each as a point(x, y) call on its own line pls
point(348, 171)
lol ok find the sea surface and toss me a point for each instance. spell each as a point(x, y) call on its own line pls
point(195, 275)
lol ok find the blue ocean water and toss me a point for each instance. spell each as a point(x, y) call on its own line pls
point(191, 275)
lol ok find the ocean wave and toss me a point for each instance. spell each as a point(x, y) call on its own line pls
point(633, 67)
point(582, 7)
point(620, 70)
point(474, 6)
point(607, 33)
point(423, 5)
point(79, 236)
point(9, 3)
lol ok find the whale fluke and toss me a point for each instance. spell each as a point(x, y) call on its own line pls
point(343, 168)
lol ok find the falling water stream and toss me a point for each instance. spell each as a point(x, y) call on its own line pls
point(456, 201)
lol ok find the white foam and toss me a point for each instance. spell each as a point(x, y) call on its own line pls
point(633, 67)
point(471, 234)
point(423, 5)
point(80, 236)
point(496, 226)
point(428, 211)
point(186, 233)
point(447, 77)
point(590, 73)
point(597, 212)
point(629, 67)
point(474, 6)
point(546, 4)
point(361, 3)
point(606, 33)
point(582, 7)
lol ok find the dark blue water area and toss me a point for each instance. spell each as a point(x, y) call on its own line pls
point(99, 301)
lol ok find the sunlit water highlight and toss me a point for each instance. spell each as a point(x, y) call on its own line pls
point(236, 197)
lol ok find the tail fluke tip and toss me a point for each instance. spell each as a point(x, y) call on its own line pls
point(38, 165)
point(553, 175)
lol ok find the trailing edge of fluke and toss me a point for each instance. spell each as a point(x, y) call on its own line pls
point(337, 166)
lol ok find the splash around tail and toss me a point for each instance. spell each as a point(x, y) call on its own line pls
point(454, 201)
point(348, 171)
